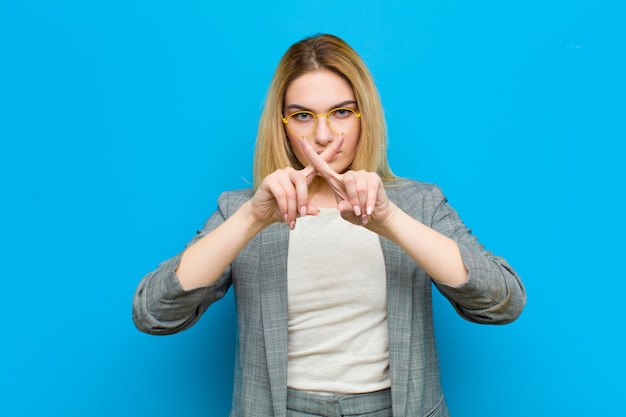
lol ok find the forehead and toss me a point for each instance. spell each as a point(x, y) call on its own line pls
point(318, 90)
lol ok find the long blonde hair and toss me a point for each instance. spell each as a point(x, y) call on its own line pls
point(328, 52)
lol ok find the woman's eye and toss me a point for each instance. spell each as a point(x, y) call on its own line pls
point(302, 117)
point(342, 113)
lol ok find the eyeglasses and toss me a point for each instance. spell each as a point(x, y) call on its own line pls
point(303, 123)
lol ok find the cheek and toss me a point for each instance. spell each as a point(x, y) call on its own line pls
point(351, 142)
point(294, 142)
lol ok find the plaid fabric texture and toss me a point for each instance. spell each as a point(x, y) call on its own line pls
point(305, 404)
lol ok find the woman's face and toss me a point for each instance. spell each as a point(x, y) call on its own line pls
point(320, 92)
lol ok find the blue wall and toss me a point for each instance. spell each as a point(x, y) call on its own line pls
point(121, 121)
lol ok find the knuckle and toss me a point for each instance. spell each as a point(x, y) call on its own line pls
point(290, 193)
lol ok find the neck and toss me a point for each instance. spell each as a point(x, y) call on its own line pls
point(322, 195)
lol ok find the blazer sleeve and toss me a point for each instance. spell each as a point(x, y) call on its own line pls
point(161, 305)
point(494, 293)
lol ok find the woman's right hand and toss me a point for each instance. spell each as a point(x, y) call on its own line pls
point(280, 197)
point(284, 194)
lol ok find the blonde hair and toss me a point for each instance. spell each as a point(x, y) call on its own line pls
point(327, 52)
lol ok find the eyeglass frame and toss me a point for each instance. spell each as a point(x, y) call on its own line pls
point(316, 117)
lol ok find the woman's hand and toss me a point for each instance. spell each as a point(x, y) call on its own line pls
point(360, 195)
point(361, 198)
point(284, 194)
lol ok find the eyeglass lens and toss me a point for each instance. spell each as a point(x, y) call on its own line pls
point(339, 120)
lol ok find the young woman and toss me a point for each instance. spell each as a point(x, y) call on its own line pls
point(331, 257)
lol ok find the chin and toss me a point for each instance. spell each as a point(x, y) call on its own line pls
point(341, 167)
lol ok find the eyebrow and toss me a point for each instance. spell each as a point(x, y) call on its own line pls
point(336, 106)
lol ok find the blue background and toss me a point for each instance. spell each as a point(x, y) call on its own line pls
point(122, 121)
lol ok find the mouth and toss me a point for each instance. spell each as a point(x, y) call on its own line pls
point(333, 158)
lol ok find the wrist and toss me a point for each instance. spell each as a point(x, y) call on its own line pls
point(251, 220)
point(383, 223)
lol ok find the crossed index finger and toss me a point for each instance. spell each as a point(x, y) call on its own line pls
point(319, 163)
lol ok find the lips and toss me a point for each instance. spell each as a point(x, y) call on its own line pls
point(320, 151)
point(331, 159)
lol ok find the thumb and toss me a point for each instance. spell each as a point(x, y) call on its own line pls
point(312, 210)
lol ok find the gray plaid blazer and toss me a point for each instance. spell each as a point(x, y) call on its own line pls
point(494, 294)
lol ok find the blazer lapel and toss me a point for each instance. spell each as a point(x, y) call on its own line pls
point(274, 309)
point(399, 310)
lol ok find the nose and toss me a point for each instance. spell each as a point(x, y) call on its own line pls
point(323, 134)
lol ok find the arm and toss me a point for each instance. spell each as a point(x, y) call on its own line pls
point(482, 287)
point(176, 294)
point(203, 263)
point(491, 291)
point(361, 198)
point(436, 253)
point(282, 196)
point(161, 305)
point(494, 292)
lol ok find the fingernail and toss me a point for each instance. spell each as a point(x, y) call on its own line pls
point(364, 219)
point(303, 211)
point(286, 218)
point(370, 210)
point(357, 210)
point(292, 225)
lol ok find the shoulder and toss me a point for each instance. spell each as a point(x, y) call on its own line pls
point(421, 200)
point(229, 201)
point(402, 189)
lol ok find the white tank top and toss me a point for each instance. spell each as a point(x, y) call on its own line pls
point(338, 334)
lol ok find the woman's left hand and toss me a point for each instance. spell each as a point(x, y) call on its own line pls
point(361, 198)
point(360, 195)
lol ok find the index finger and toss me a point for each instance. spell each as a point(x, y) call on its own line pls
point(320, 162)
point(326, 156)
